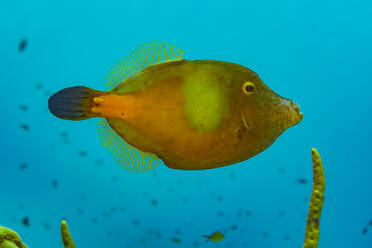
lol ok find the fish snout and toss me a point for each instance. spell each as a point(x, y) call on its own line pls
point(291, 112)
point(295, 115)
point(296, 108)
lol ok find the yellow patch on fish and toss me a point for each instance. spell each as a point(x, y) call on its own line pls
point(191, 115)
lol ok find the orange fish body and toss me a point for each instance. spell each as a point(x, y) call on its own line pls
point(190, 114)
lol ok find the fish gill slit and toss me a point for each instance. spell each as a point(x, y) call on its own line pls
point(246, 125)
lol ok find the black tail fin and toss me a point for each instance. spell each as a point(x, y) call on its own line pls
point(72, 103)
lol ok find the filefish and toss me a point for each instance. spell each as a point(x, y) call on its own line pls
point(190, 114)
point(215, 237)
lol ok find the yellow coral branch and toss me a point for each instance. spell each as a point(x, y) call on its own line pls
point(66, 236)
point(316, 203)
point(10, 239)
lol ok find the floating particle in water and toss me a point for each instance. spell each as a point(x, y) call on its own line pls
point(248, 213)
point(113, 209)
point(365, 230)
point(135, 222)
point(26, 221)
point(94, 220)
point(99, 162)
point(195, 244)
point(240, 213)
point(114, 178)
point(143, 241)
point(281, 213)
point(121, 209)
point(105, 214)
point(82, 153)
point(220, 213)
point(82, 198)
point(154, 202)
point(23, 107)
point(265, 234)
point(38, 86)
point(234, 227)
point(302, 181)
point(52, 147)
point(80, 211)
point(25, 126)
point(178, 231)
point(149, 231)
point(47, 226)
point(370, 223)
point(47, 93)
point(157, 235)
point(220, 198)
point(63, 134)
point(287, 237)
point(55, 183)
point(281, 170)
point(232, 176)
point(185, 200)
point(176, 240)
point(22, 166)
point(12, 218)
point(22, 45)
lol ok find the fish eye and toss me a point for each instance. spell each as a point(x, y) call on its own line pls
point(248, 88)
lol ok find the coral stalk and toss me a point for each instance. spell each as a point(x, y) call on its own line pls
point(66, 236)
point(316, 203)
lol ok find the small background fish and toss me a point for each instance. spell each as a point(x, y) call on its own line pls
point(317, 53)
point(214, 237)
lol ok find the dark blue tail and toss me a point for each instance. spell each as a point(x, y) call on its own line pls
point(72, 103)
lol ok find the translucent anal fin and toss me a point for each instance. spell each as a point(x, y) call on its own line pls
point(126, 156)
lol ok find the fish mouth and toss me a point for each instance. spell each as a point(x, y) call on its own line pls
point(297, 109)
point(291, 112)
point(297, 117)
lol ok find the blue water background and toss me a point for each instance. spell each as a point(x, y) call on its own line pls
point(317, 53)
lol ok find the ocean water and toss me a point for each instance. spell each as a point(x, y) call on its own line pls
point(317, 53)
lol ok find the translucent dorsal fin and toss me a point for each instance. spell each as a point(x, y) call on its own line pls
point(125, 155)
point(143, 56)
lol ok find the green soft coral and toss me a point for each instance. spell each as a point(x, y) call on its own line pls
point(10, 239)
